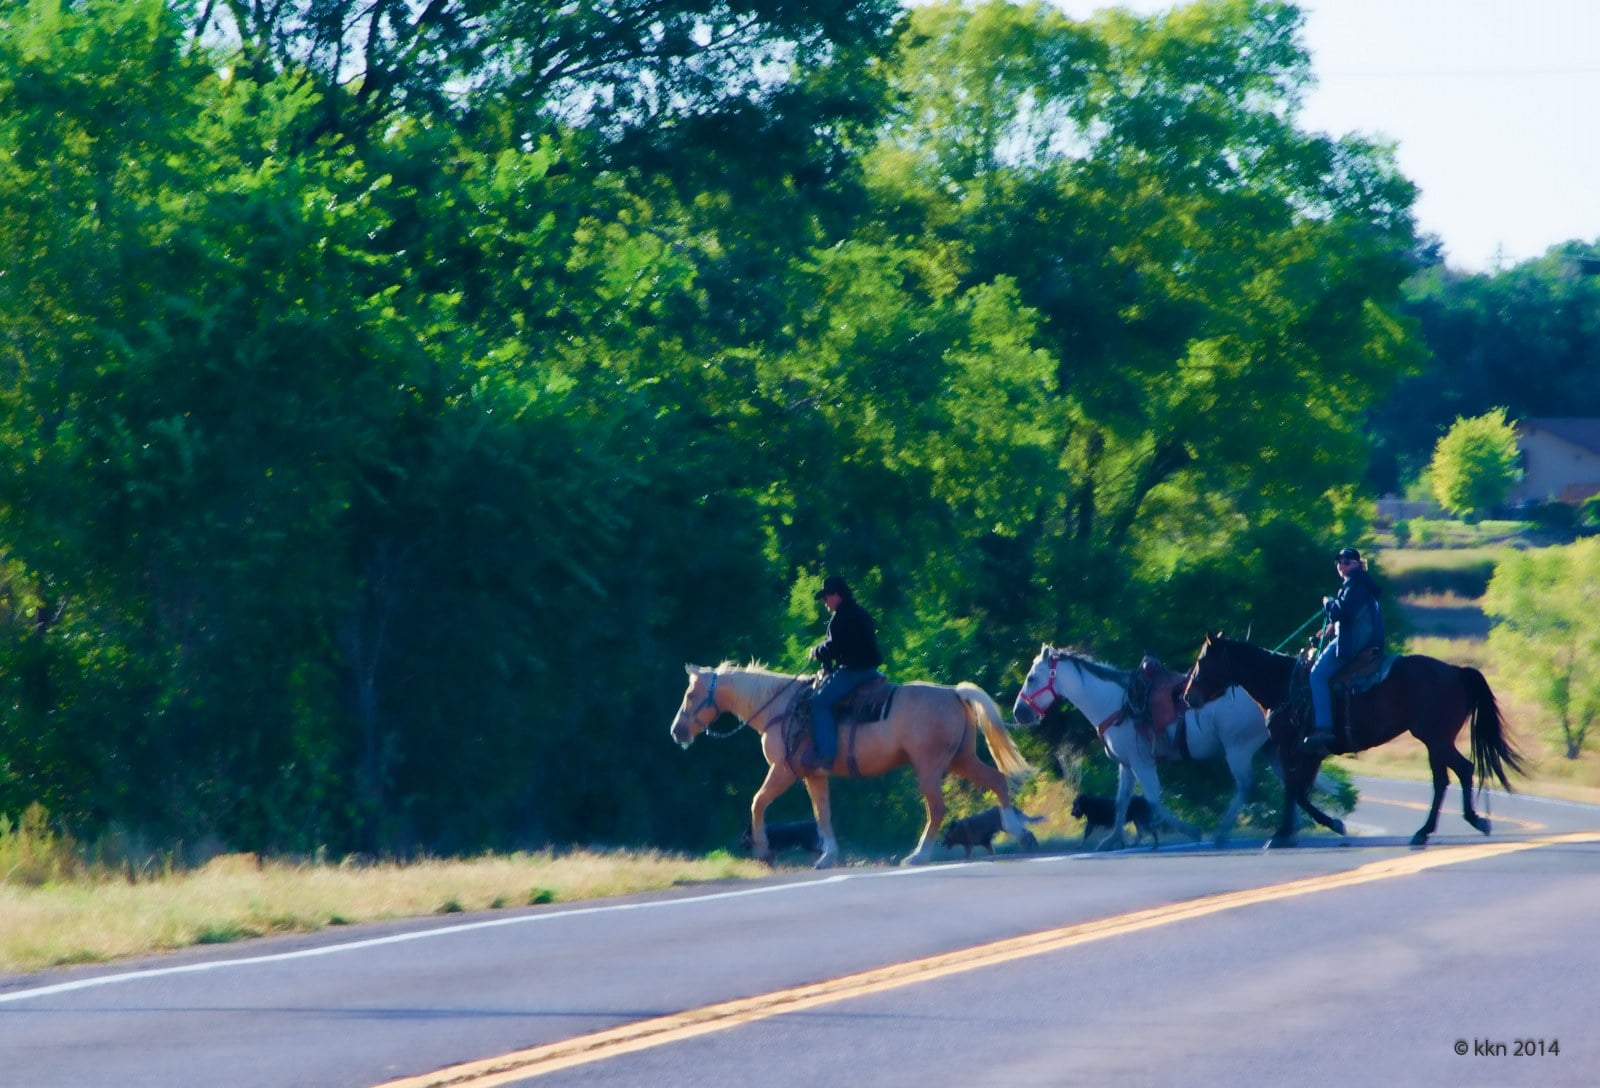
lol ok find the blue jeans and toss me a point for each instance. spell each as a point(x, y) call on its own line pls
point(824, 731)
point(1322, 672)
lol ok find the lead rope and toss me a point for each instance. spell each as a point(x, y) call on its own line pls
point(1315, 616)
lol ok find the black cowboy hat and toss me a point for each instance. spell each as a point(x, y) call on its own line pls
point(833, 584)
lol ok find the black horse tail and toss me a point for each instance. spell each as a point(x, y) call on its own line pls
point(1492, 751)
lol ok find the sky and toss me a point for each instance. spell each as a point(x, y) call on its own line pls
point(1493, 107)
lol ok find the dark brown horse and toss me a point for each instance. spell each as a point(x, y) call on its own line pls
point(1423, 695)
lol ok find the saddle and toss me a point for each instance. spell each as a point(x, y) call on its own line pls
point(1155, 701)
point(870, 702)
point(1364, 672)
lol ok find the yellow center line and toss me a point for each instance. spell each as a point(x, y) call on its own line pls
point(659, 1031)
point(1423, 806)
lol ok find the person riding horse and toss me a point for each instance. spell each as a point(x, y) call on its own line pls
point(849, 657)
point(1357, 625)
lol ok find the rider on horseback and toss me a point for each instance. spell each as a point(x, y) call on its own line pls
point(1357, 625)
point(848, 655)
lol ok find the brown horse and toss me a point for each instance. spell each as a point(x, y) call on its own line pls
point(932, 727)
point(1431, 698)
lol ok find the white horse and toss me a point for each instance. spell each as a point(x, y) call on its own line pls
point(1231, 725)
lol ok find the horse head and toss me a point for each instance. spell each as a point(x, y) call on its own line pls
point(1212, 673)
point(699, 707)
point(1038, 693)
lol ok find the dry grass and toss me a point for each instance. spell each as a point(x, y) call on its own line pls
point(93, 919)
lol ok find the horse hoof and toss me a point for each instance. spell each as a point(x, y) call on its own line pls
point(1280, 842)
point(1480, 823)
point(912, 859)
point(824, 862)
point(1337, 827)
point(1420, 839)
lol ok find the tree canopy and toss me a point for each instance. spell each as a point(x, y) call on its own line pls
point(398, 393)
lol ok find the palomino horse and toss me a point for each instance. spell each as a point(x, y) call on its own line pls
point(1430, 698)
point(932, 727)
point(1232, 727)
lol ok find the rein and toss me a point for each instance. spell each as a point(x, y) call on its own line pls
point(711, 701)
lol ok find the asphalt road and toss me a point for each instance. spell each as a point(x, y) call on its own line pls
point(1327, 964)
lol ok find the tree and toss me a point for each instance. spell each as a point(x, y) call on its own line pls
point(1527, 338)
point(1546, 604)
point(1217, 290)
point(1475, 464)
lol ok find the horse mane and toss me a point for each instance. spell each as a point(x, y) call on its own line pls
point(762, 683)
point(1089, 664)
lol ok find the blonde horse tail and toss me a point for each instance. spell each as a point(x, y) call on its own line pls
point(985, 713)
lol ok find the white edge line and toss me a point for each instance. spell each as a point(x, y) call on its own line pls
point(468, 927)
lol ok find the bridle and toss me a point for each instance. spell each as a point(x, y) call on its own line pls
point(1049, 685)
point(710, 703)
point(1031, 697)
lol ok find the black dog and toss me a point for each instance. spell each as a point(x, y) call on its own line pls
point(981, 829)
point(800, 835)
point(1102, 812)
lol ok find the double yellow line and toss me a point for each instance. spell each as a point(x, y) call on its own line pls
point(660, 1031)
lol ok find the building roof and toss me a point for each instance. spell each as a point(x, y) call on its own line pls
point(1581, 431)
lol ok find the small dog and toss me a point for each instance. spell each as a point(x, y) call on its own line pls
point(1102, 812)
point(981, 829)
point(800, 835)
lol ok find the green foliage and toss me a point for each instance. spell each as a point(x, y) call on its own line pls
point(1524, 338)
point(1546, 604)
point(1476, 464)
point(383, 446)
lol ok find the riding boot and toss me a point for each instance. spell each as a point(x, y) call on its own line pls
point(810, 761)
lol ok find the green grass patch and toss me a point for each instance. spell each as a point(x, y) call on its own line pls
point(1460, 572)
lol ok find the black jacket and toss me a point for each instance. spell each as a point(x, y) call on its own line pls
point(852, 643)
point(1356, 611)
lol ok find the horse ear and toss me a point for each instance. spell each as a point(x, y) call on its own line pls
point(688, 668)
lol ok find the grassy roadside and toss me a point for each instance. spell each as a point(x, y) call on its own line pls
point(97, 917)
point(54, 911)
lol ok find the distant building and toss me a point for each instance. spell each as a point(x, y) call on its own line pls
point(1560, 460)
point(1393, 508)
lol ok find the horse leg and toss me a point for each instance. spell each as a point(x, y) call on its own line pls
point(1295, 797)
point(1332, 823)
point(1114, 839)
point(1463, 768)
point(817, 787)
point(1289, 822)
point(931, 783)
point(1150, 781)
point(1441, 780)
point(985, 777)
point(779, 778)
point(1239, 762)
